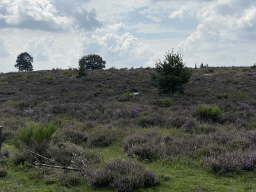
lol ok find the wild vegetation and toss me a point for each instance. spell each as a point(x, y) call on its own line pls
point(111, 130)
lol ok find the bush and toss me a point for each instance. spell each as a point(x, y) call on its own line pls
point(144, 146)
point(11, 102)
point(67, 74)
point(121, 175)
point(70, 180)
point(146, 121)
point(35, 134)
point(101, 138)
point(3, 172)
point(254, 66)
point(222, 95)
point(167, 102)
point(208, 113)
point(172, 74)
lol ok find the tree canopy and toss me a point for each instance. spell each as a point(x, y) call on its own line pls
point(92, 62)
point(24, 62)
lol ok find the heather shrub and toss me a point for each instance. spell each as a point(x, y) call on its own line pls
point(70, 179)
point(121, 175)
point(208, 113)
point(148, 121)
point(102, 138)
point(144, 146)
point(76, 137)
point(191, 126)
point(231, 162)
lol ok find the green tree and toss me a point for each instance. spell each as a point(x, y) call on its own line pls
point(92, 62)
point(81, 70)
point(24, 62)
point(172, 74)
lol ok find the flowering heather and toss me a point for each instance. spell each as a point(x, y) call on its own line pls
point(244, 106)
point(121, 175)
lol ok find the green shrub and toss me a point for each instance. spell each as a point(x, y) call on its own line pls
point(67, 74)
point(124, 69)
point(139, 79)
point(11, 102)
point(127, 95)
point(222, 95)
point(109, 92)
point(254, 66)
point(167, 102)
point(246, 69)
point(191, 83)
point(3, 84)
point(101, 89)
point(146, 121)
point(208, 113)
point(35, 133)
point(49, 77)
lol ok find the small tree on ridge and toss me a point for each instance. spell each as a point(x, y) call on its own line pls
point(172, 74)
point(24, 62)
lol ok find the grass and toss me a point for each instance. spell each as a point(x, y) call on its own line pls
point(99, 120)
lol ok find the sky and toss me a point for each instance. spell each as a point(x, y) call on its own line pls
point(132, 33)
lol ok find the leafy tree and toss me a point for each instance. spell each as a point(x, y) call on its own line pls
point(92, 62)
point(171, 75)
point(24, 62)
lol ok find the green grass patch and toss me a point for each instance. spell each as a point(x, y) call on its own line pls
point(49, 77)
point(11, 102)
point(222, 95)
point(3, 84)
point(67, 74)
point(167, 102)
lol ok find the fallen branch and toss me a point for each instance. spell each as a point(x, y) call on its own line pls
point(58, 167)
point(43, 157)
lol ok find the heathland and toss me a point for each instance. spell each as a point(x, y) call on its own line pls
point(112, 131)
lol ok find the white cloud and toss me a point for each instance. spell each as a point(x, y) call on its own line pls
point(126, 49)
point(3, 51)
point(218, 32)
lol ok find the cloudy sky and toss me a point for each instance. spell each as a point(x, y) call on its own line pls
point(132, 33)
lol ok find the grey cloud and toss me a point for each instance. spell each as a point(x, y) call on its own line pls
point(69, 16)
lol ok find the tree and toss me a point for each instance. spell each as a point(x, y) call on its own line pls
point(81, 70)
point(92, 62)
point(24, 62)
point(172, 74)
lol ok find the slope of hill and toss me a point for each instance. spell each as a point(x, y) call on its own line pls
point(116, 132)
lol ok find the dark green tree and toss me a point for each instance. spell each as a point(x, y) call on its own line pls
point(92, 62)
point(81, 71)
point(172, 74)
point(24, 62)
